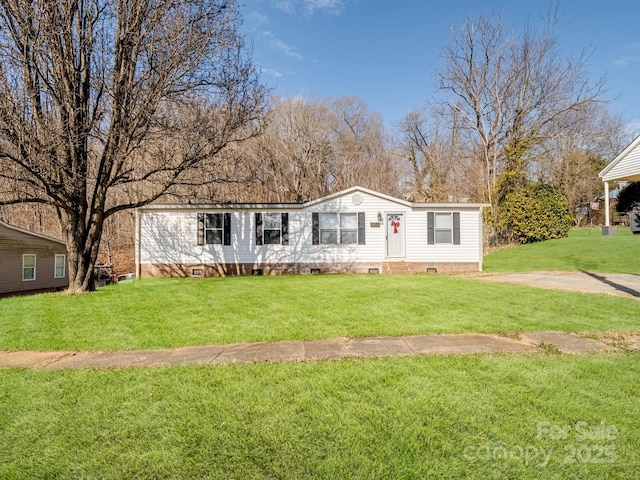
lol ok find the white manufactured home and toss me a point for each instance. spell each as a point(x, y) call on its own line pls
point(353, 231)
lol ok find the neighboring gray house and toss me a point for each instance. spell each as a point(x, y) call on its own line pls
point(356, 230)
point(30, 262)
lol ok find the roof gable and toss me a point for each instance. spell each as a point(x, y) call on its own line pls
point(348, 191)
point(626, 166)
point(29, 232)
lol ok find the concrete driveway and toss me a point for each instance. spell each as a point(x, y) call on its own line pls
point(626, 285)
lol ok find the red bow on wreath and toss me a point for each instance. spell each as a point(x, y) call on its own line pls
point(395, 225)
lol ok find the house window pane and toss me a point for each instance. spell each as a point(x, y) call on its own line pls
point(60, 266)
point(443, 236)
point(328, 236)
point(28, 267)
point(328, 221)
point(349, 236)
point(349, 221)
point(213, 224)
point(213, 220)
point(213, 236)
point(443, 220)
point(272, 221)
point(443, 228)
point(271, 228)
point(348, 228)
point(328, 228)
point(272, 237)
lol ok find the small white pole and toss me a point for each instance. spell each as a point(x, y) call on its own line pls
point(606, 204)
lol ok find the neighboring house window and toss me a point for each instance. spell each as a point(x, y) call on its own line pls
point(28, 267)
point(443, 227)
point(334, 228)
point(272, 228)
point(214, 228)
point(60, 266)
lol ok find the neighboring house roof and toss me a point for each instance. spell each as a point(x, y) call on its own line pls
point(311, 203)
point(29, 232)
point(626, 166)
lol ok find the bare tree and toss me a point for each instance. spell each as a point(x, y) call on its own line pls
point(431, 138)
point(510, 89)
point(130, 95)
point(574, 155)
point(361, 153)
point(312, 147)
point(295, 149)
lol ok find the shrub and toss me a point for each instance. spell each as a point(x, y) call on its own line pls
point(536, 212)
point(629, 198)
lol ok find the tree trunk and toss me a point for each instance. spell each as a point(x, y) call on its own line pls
point(82, 251)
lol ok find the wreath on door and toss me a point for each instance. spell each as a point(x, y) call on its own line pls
point(394, 221)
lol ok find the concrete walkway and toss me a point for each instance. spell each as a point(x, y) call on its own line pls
point(330, 349)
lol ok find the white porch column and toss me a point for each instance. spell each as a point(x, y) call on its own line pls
point(606, 204)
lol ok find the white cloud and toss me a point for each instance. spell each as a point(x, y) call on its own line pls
point(309, 7)
point(258, 18)
point(632, 56)
point(281, 46)
point(626, 60)
point(272, 72)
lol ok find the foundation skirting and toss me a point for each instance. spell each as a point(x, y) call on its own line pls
point(231, 269)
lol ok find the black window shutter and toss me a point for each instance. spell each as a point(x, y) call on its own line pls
point(258, 228)
point(226, 234)
point(201, 229)
point(361, 228)
point(285, 228)
point(315, 224)
point(431, 231)
point(456, 228)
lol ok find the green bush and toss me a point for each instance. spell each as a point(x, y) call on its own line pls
point(629, 198)
point(536, 212)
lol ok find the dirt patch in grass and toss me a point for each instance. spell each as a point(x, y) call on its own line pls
point(629, 340)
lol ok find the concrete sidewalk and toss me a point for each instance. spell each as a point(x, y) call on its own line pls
point(329, 349)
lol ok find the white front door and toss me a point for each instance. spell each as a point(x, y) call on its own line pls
point(395, 235)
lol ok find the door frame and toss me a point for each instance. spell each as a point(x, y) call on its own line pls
point(403, 234)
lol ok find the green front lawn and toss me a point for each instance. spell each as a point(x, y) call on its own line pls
point(159, 313)
point(478, 417)
point(584, 249)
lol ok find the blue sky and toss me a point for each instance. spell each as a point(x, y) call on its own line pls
point(386, 52)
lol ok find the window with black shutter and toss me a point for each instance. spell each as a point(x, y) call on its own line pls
point(272, 228)
point(443, 228)
point(214, 228)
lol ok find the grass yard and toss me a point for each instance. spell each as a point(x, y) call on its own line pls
point(584, 249)
point(484, 417)
point(527, 417)
point(161, 313)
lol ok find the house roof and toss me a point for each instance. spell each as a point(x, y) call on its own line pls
point(310, 203)
point(626, 166)
point(29, 232)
